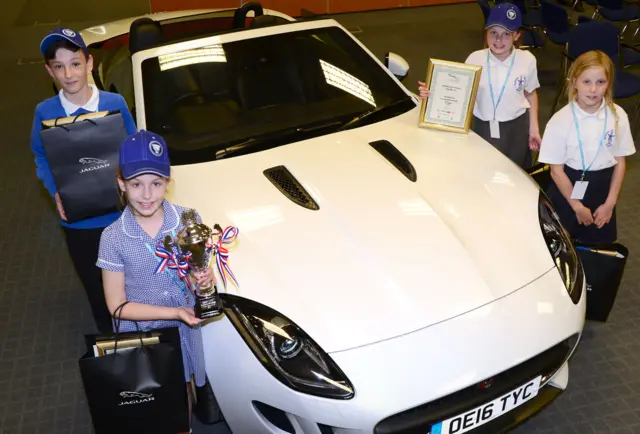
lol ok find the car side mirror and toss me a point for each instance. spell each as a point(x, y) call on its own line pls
point(397, 65)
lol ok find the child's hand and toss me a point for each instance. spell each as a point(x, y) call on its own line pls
point(603, 215)
point(187, 316)
point(534, 140)
point(59, 207)
point(583, 214)
point(204, 278)
point(424, 92)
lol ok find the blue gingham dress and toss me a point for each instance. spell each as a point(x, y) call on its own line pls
point(124, 247)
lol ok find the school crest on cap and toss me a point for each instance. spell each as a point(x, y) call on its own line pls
point(69, 33)
point(155, 148)
point(511, 14)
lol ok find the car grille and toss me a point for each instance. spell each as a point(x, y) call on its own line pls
point(420, 419)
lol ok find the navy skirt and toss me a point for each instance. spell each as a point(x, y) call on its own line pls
point(596, 195)
point(513, 141)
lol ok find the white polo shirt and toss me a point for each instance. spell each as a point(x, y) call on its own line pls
point(560, 139)
point(523, 77)
point(90, 106)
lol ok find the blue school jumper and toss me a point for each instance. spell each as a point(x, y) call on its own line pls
point(52, 108)
point(126, 247)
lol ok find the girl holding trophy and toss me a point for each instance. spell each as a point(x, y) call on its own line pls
point(128, 258)
point(506, 109)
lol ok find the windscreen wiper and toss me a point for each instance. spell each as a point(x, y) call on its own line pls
point(280, 134)
point(378, 109)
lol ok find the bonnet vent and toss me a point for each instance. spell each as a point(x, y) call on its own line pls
point(290, 187)
point(395, 157)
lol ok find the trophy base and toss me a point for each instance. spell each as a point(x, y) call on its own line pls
point(208, 306)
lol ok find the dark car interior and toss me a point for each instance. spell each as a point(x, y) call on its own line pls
point(258, 87)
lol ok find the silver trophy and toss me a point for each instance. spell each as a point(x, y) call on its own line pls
point(195, 242)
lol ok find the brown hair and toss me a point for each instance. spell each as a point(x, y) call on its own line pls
point(588, 60)
point(121, 194)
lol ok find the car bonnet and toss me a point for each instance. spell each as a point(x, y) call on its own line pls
point(383, 255)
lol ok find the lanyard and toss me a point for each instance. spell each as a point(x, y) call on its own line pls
point(604, 132)
point(504, 85)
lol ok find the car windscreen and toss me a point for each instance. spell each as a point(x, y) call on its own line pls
point(254, 94)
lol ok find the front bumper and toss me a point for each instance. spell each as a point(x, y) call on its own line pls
point(403, 385)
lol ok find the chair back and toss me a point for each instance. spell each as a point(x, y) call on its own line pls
point(611, 4)
point(594, 35)
point(554, 17)
point(486, 9)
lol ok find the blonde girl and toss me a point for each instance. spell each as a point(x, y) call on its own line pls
point(586, 143)
point(506, 109)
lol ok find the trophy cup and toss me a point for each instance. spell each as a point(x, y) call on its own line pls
point(195, 244)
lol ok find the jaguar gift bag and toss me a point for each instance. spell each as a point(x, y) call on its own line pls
point(134, 382)
point(603, 268)
point(83, 154)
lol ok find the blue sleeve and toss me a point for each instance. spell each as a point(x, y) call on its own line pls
point(129, 123)
point(43, 171)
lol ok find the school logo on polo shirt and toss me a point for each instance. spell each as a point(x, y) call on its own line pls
point(519, 83)
point(609, 138)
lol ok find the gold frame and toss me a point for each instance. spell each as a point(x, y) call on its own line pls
point(466, 68)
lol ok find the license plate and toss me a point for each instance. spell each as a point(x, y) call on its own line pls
point(472, 419)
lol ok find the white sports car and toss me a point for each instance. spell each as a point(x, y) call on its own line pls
point(392, 279)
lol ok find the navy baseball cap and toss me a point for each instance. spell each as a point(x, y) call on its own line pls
point(62, 34)
point(505, 15)
point(144, 152)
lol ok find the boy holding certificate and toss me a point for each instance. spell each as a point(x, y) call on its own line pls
point(506, 109)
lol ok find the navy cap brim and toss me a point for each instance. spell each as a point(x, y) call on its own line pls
point(512, 29)
point(50, 39)
point(132, 170)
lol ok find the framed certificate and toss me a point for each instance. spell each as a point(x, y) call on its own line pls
point(453, 88)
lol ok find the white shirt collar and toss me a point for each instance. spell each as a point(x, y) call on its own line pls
point(502, 62)
point(91, 105)
point(599, 114)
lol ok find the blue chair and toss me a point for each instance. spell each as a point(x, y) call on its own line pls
point(578, 6)
point(618, 11)
point(530, 17)
point(603, 36)
point(555, 20)
point(629, 54)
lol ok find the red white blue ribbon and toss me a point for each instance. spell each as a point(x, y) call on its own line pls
point(228, 236)
point(175, 261)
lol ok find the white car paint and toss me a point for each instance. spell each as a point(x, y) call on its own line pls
point(416, 290)
point(382, 248)
point(398, 374)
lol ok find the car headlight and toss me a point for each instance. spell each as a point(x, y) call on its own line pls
point(561, 248)
point(286, 350)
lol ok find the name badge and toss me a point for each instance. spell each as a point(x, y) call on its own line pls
point(579, 189)
point(494, 127)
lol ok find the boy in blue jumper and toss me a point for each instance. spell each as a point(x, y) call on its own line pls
point(68, 62)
